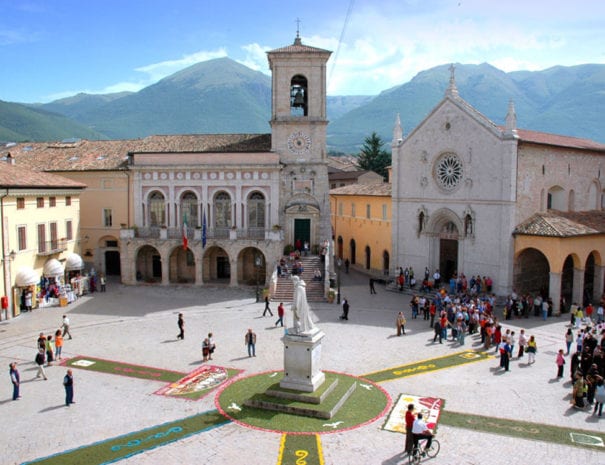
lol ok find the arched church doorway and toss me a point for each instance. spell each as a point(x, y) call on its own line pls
point(448, 250)
point(352, 247)
point(368, 257)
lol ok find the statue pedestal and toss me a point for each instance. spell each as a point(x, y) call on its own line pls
point(302, 356)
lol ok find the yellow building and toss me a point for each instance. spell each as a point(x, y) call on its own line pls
point(40, 221)
point(361, 224)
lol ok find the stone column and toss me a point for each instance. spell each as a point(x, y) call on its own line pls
point(554, 286)
point(577, 294)
point(199, 271)
point(165, 269)
point(233, 277)
point(599, 275)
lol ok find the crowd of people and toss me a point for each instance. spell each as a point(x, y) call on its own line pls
point(587, 364)
point(49, 350)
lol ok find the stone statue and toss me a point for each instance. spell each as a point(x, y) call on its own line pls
point(303, 324)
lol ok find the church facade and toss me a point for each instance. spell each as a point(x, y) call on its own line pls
point(468, 196)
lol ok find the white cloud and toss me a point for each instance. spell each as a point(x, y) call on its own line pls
point(157, 71)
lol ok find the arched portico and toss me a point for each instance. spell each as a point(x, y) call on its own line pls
point(251, 267)
point(216, 266)
point(182, 266)
point(148, 264)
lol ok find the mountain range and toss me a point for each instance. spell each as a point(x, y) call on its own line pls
point(223, 96)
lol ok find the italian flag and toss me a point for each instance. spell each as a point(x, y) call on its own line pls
point(185, 231)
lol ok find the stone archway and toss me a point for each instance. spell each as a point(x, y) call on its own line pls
point(181, 266)
point(149, 265)
point(531, 273)
point(251, 267)
point(444, 229)
point(217, 265)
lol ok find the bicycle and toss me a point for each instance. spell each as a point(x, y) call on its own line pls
point(418, 452)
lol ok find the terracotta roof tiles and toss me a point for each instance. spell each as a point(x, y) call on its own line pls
point(13, 176)
point(375, 189)
point(555, 223)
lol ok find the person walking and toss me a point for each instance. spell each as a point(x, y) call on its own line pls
point(267, 309)
point(438, 332)
point(532, 348)
point(560, 361)
point(522, 343)
point(58, 344)
point(50, 350)
point(103, 282)
point(181, 324)
point(68, 383)
point(66, 326)
point(372, 290)
point(280, 313)
point(568, 340)
point(347, 264)
point(250, 342)
point(15, 379)
point(40, 359)
point(599, 397)
point(205, 349)
point(345, 310)
point(400, 324)
point(211, 345)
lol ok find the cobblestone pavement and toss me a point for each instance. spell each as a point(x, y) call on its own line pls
point(137, 325)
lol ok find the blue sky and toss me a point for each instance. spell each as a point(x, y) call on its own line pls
point(51, 49)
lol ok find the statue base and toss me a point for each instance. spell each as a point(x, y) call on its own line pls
point(302, 356)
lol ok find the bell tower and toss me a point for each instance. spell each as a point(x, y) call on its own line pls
point(298, 135)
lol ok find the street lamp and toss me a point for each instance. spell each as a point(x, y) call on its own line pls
point(339, 264)
point(257, 263)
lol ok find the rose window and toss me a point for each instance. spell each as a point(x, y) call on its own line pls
point(448, 171)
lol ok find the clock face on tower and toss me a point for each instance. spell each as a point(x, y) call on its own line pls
point(299, 143)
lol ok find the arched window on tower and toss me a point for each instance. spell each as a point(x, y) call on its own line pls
point(299, 102)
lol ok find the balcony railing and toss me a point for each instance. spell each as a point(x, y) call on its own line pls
point(52, 247)
point(153, 232)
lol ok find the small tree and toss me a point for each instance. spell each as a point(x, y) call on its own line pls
point(373, 157)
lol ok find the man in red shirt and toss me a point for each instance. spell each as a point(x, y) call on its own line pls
point(409, 423)
point(280, 314)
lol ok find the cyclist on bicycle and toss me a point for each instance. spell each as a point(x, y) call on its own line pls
point(421, 431)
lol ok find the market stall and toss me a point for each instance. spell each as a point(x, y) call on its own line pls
point(24, 291)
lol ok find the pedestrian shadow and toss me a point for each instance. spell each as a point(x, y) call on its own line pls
point(554, 380)
point(246, 357)
point(167, 341)
point(2, 402)
point(395, 459)
point(50, 409)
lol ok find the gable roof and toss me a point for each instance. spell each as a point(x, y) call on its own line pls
point(12, 176)
point(555, 223)
point(299, 47)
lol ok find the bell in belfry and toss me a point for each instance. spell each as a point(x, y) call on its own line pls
point(299, 98)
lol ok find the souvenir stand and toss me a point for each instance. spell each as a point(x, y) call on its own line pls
point(25, 282)
point(54, 290)
point(73, 269)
